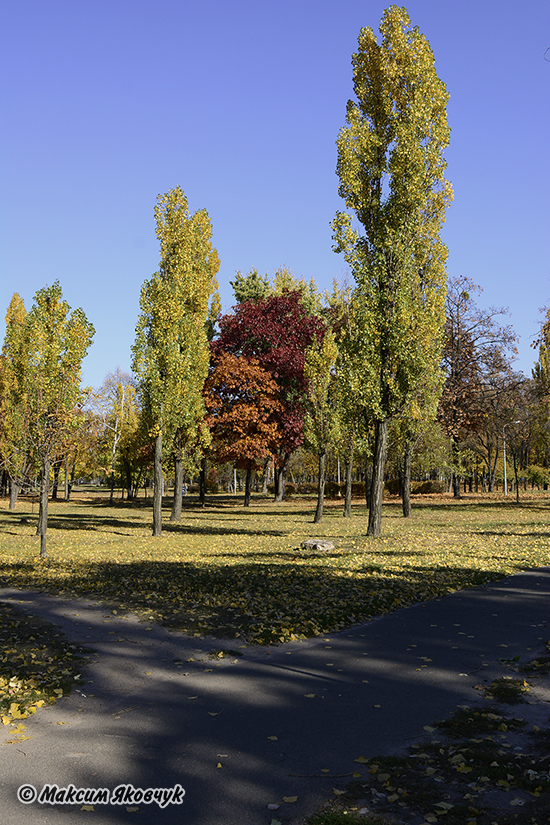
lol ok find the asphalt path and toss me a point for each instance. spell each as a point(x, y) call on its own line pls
point(242, 732)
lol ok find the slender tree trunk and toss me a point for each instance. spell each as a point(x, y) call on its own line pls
point(157, 487)
point(56, 468)
point(43, 507)
point(516, 476)
point(379, 464)
point(175, 515)
point(14, 493)
point(368, 484)
point(202, 482)
point(320, 488)
point(456, 476)
point(407, 457)
point(347, 499)
point(280, 476)
point(66, 478)
point(265, 476)
point(248, 484)
point(112, 486)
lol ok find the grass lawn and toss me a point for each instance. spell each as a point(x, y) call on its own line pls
point(229, 571)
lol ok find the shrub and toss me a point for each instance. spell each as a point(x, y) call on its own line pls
point(334, 490)
point(427, 487)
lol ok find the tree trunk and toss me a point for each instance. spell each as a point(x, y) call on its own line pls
point(265, 476)
point(56, 468)
point(407, 456)
point(280, 478)
point(202, 482)
point(456, 476)
point(157, 487)
point(43, 507)
point(320, 489)
point(14, 492)
point(379, 464)
point(175, 515)
point(248, 484)
point(368, 485)
point(347, 499)
point(516, 476)
point(66, 478)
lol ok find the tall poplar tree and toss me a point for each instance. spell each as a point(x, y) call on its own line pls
point(14, 447)
point(171, 352)
point(56, 341)
point(391, 170)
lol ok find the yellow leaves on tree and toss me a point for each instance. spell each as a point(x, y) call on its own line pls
point(171, 353)
point(391, 170)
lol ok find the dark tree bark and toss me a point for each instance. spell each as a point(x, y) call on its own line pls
point(380, 446)
point(248, 485)
point(202, 482)
point(56, 468)
point(320, 488)
point(280, 478)
point(368, 484)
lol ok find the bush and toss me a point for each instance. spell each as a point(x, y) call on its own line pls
point(334, 490)
point(393, 486)
point(307, 488)
point(427, 487)
point(537, 476)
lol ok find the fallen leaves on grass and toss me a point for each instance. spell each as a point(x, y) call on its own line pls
point(224, 572)
point(37, 663)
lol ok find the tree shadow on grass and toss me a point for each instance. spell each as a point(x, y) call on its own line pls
point(257, 601)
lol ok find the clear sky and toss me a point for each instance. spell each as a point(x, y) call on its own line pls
point(106, 104)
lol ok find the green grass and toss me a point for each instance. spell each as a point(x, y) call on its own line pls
point(233, 572)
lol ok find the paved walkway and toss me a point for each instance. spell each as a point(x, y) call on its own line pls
point(242, 732)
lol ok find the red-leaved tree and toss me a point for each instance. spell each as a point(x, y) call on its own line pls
point(243, 410)
point(277, 331)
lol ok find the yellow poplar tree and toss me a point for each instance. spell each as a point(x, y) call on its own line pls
point(321, 422)
point(14, 448)
point(391, 170)
point(57, 341)
point(171, 353)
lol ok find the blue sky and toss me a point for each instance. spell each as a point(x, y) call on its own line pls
point(107, 104)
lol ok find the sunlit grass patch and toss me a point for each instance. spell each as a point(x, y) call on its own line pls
point(230, 572)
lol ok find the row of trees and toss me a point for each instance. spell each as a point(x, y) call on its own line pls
point(394, 357)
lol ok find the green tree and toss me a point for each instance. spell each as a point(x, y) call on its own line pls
point(250, 287)
point(321, 422)
point(56, 341)
point(171, 353)
point(119, 414)
point(391, 170)
point(14, 447)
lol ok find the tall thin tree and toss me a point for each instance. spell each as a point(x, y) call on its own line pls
point(391, 170)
